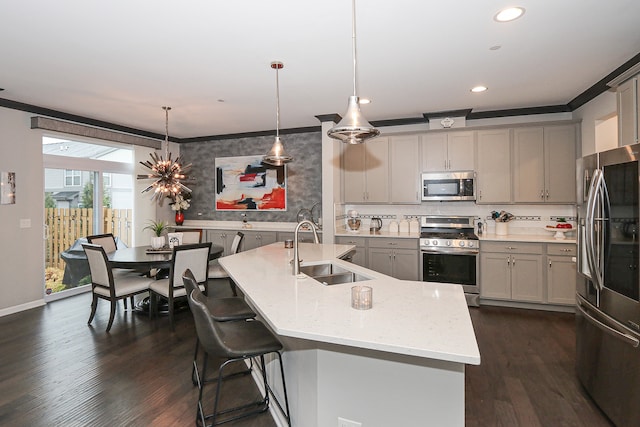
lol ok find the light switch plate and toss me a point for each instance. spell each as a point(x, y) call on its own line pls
point(25, 223)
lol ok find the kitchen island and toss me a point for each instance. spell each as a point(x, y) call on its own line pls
point(400, 363)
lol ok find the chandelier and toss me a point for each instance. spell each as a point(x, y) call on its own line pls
point(166, 172)
point(353, 128)
point(277, 156)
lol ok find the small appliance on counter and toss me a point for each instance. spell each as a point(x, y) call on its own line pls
point(375, 225)
point(353, 221)
point(393, 227)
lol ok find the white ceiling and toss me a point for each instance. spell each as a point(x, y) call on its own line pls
point(121, 60)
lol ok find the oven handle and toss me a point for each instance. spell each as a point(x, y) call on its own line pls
point(449, 252)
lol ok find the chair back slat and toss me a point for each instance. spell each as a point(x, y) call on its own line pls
point(193, 257)
point(107, 241)
point(237, 240)
point(192, 236)
point(98, 265)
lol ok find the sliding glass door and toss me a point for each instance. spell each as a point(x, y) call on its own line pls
point(88, 190)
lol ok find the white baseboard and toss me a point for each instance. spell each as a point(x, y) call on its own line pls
point(22, 307)
point(528, 305)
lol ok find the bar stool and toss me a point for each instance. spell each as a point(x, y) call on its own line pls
point(221, 309)
point(242, 340)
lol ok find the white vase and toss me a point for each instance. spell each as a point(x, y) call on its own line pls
point(502, 228)
point(157, 242)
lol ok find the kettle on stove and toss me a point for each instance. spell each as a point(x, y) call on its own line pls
point(375, 224)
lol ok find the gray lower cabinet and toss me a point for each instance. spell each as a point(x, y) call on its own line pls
point(360, 257)
point(303, 236)
point(511, 271)
point(255, 239)
point(515, 271)
point(223, 238)
point(397, 258)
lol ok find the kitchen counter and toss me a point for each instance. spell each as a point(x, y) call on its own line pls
point(239, 225)
point(535, 238)
point(405, 356)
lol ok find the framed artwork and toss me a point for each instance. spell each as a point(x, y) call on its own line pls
point(7, 188)
point(245, 183)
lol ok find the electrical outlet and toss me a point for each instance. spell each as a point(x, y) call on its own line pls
point(343, 422)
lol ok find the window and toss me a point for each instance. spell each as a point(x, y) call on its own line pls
point(106, 179)
point(72, 178)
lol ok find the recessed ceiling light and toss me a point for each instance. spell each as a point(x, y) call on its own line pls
point(509, 14)
point(496, 47)
point(220, 100)
point(478, 89)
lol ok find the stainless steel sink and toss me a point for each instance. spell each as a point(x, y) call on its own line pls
point(332, 274)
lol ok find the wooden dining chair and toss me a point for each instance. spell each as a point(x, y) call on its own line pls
point(107, 241)
point(191, 235)
point(109, 286)
point(216, 271)
point(193, 257)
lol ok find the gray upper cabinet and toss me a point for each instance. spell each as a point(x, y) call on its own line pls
point(366, 172)
point(544, 161)
point(628, 112)
point(448, 151)
point(404, 152)
point(494, 166)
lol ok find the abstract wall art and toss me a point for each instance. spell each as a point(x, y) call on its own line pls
point(245, 183)
point(7, 188)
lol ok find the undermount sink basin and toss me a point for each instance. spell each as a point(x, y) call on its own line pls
point(332, 274)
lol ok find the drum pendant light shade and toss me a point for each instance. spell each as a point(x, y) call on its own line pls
point(353, 128)
point(277, 156)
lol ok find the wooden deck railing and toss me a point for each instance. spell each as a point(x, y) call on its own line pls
point(65, 226)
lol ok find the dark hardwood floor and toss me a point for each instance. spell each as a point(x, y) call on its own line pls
point(57, 371)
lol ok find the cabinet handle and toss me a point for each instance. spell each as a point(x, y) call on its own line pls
point(549, 263)
point(513, 262)
point(449, 164)
point(445, 164)
point(547, 194)
point(542, 194)
point(480, 194)
point(511, 247)
point(508, 263)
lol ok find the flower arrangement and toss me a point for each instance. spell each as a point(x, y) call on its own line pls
point(181, 202)
point(502, 216)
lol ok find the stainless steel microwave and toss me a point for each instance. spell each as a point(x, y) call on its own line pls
point(442, 186)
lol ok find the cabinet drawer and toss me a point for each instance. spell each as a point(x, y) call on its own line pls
point(561, 249)
point(381, 242)
point(512, 247)
point(357, 241)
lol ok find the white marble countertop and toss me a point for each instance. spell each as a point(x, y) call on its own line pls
point(411, 318)
point(534, 238)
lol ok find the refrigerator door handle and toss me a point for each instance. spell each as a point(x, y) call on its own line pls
point(631, 340)
point(593, 261)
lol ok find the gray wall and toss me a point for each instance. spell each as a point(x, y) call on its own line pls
point(304, 174)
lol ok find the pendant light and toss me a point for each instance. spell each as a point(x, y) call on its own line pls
point(353, 128)
point(277, 156)
point(167, 173)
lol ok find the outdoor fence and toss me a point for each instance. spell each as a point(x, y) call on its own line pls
point(65, 226)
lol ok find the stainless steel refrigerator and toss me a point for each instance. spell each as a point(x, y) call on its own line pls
point(608, 285)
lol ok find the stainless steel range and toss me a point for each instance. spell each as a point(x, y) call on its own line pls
point(450, 253)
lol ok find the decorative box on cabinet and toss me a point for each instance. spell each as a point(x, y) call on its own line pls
point(448, 151)
point(397, 258)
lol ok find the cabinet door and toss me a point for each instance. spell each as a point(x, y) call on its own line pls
point(360, 257)
point(628, 112)
point(461, 151)
point(495, 275)
point(255, 239)
point(526, 278)
point(434, 152)
point(560, 164)
point(494, 166)
point(353, 173)
point(528, 165)
point(381, 260)
point(377, 170)
point(561, 280)
point(406, 264)
point(405, 170)
point(222, 238)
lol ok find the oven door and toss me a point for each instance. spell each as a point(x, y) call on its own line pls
point(451, 267)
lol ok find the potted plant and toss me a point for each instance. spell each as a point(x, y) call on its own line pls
point(158, 227)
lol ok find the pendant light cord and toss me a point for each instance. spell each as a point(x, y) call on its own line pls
point(353, 42)
point(166, 131)
point(277, 103)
